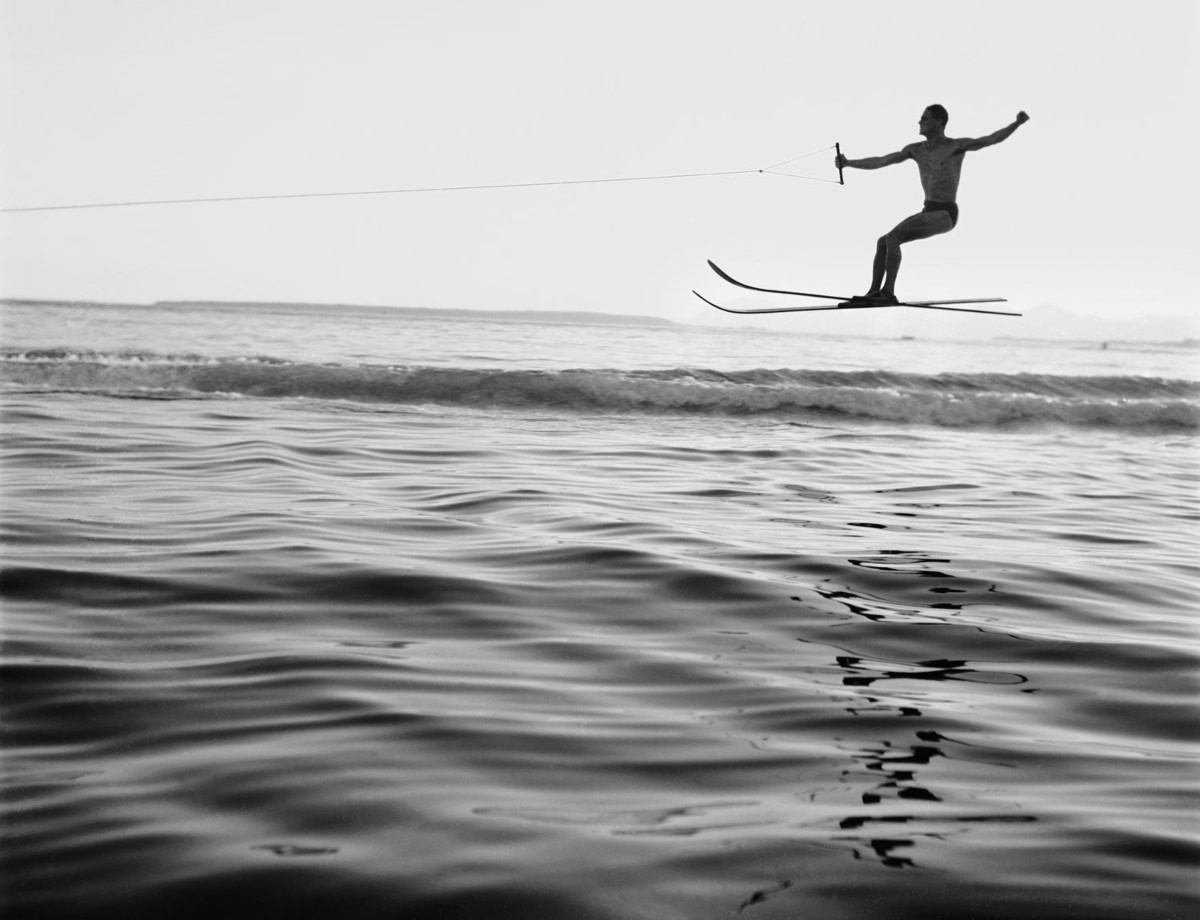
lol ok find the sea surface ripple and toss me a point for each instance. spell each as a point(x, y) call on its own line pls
point(281, 656)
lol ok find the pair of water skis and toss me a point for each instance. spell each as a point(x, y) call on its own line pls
point(848, 303)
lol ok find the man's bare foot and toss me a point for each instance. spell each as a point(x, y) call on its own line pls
point(875, 298)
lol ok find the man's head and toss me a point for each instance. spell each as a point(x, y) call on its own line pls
point(935, 116)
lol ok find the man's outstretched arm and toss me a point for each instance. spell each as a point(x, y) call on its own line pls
point(889, 159)
point(978, 143)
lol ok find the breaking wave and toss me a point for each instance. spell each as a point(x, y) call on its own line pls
point(947, 400)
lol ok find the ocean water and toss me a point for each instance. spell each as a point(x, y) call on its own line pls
point(357, 613)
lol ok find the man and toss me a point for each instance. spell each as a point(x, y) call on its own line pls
point(939, 161)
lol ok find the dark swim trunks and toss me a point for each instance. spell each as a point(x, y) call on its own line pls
point(948, 206)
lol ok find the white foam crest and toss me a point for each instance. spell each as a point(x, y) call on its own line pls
point(959, 400)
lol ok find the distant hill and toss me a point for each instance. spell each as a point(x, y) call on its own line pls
point(1046, 322)
point(1053, 322)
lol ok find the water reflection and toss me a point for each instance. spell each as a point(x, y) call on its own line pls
point(895, 771)
point(864, 674)
point(890, 587)
point(907, 589)
point(883, 851)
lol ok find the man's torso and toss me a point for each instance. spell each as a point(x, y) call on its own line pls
point(940, 166)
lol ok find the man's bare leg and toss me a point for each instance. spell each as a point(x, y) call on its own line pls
point(887, 251)
point(879, 268)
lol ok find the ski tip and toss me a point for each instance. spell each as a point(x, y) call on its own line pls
point(724, 274)
point(718, 306)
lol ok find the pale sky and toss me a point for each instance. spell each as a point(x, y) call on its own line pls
point(1089, 207)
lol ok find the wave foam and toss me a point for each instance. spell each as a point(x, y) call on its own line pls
point(950, 400)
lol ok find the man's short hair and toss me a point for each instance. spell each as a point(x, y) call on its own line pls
point(939, 112)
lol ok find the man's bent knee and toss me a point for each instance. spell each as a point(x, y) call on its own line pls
point(922, 226)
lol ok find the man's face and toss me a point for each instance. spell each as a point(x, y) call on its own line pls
point(926, 124)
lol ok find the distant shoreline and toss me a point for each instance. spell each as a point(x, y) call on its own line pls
point(579, 317)
point(1098, 337)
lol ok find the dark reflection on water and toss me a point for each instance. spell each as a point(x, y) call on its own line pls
point(928, 670)
point(894, 768)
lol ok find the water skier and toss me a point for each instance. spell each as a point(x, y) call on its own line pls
point(939, 160)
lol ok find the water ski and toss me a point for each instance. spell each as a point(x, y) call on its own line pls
point(847, 303)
